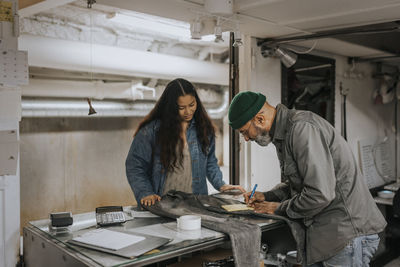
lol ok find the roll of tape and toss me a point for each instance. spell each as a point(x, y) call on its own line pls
point(386, 194)
point(189, 222)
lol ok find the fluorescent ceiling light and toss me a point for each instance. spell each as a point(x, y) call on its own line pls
point(153, 24)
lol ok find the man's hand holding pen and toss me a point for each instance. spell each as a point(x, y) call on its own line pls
point(257, 201)
point(257, 197)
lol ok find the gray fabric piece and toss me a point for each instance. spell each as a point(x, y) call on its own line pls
point(296, 227)
point(245, 235)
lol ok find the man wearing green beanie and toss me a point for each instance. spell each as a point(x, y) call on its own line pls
point(322, 185)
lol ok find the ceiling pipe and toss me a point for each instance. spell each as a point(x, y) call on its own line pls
point(246, 5)
point(82, 89)
point(326, 34)
point(220, 112)
point(372, 59)
point(33, 107)
point(95, 58)
point(47, 107)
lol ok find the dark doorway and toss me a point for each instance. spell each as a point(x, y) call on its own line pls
point(310, 85)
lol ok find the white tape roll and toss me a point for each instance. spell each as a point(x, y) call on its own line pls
point(189, 222)
point(386, 194)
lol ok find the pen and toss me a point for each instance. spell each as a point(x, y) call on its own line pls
point(252, 192)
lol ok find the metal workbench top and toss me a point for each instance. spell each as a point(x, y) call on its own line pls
point(43, 247)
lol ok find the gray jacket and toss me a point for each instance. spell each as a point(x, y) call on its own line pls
point(322, 184)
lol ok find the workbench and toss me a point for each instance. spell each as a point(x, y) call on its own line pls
point(43, 248)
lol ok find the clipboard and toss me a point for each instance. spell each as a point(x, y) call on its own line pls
point(147, 243)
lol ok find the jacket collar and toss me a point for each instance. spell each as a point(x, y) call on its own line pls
point(192, 123)
point(280, 122)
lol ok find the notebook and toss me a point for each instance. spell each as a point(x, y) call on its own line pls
point(108, 239)
point(122, 243)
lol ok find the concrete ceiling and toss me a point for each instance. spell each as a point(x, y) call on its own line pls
point(274, 18)
point(278, 19)
point(285, 18)
point(74, 38)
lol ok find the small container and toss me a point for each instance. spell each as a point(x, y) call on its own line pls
point(189, 222)
point(60, 230)
point(61, 219)
point(386, 194)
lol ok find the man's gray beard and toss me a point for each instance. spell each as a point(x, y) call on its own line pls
point(262, 138)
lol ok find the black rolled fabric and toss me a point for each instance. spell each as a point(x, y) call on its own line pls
point(245, 235)
point(396, 203)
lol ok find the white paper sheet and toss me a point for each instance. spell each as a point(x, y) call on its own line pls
point(238, 197)
point(376, 156)
point(143, 214)
point(170, 231)
point(108, 239)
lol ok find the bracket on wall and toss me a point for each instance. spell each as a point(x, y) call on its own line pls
point(90, 3)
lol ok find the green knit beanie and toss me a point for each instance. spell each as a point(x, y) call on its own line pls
point(244, 107)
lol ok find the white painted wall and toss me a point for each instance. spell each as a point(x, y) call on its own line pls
point(365, 120)
point(9, 199)
point(10, 115)
point(262, 165)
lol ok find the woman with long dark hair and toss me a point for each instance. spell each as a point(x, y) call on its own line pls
point(174, 148)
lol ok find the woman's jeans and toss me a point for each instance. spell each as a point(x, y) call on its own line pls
point(357, 253)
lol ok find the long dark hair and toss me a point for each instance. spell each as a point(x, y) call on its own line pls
point(169, 135)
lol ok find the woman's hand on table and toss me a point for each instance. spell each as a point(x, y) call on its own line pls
point(228, 187)
point(150, 200)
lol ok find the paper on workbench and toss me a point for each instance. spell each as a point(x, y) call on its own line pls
point(108, 239)
point(143, 214)
point(238, 197)
point(170, 231)
point(236, 207)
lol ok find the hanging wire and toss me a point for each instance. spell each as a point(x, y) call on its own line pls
point(91, 109)
point(307, 51)
point(91, 44)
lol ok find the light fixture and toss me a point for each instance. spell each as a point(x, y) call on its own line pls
point(267, 51)
point(238, 39)
point(91, 109)
point(218, 31)
point(195, 29)
point(288, 58)
point(237, 36)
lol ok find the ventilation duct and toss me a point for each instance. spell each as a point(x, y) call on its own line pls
point(78, 56)
point(81, 89)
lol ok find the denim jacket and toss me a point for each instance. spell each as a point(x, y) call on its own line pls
point(145, 172)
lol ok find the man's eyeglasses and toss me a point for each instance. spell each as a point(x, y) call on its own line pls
point(246, 132)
